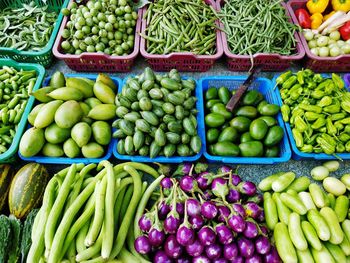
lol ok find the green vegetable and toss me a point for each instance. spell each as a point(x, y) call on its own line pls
point(284, 244)
point(270, 210)
point(26, 240)
point(5, 231)
point(284, 180)
point(295, 232)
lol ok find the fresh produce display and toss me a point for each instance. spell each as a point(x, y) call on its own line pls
point(186, 26)
point(106, 26)
point(250, 131)
point(15, 87)
point(72, 118)
point(87, 213)
point(208, 217)
point(309, 224)
point(326, 29)
point(27, 28)
point(241, 25)
point(157, 116)
point(15, 237)
point(318, 111)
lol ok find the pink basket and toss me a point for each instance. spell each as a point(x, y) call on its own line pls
point(185, 61)
point(316, 63)
point(95, 62)
point(269, 62)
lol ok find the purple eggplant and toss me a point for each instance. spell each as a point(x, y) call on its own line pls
point(206, 236)
point(251, 230)
point(258, 198)
point(272, 256)
point(254, 259)
point(246, 247)
point(224, 169)
point(264, 230)
point(163, 210)
point(188, 184)
point(247, 188)
point(262, 245)
point(213, 251)
point(183, 259)
point(253, 210)
point(193, 207)
point(166, 183)
point(209, 210)
point(183, 169)
point(203, 180)
point(239, 209)
point(161, 257)
point(233, 196)
point(207, 195)
point(156, 237)
point(171, 223)
point(142, 245)
point(237, 223)
point(235, 179)
point(230, 251)
point(220, 260)
point(223, 212)
point(200, 167)
point(238, 259)
point(185, 235)
point(261, 217)
point(172, 248)
point(224, 234)
point(197, 222)
point(145, 223)
point(200, 259)
point(195, 249)
point(180, 208)
point(219, 187)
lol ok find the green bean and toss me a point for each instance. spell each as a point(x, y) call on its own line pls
point(79, 243)
point(129, 212)
point(138, 166)
point(57, 208)
point(91, 251)
point(142, 204)
point(126, 200)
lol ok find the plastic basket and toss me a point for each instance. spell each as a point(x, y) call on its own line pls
point(66, 160)
point(96, 62)
point(269, 62)
point(44, 56)
point(163, 159)
point(264, 86)
point(297, 154)
point(9, 155)
point(182, 61)
point(316, 63)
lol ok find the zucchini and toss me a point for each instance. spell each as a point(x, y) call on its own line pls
point(284, 245)
point(331, 218)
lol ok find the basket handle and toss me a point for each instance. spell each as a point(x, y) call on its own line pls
point(93, 56)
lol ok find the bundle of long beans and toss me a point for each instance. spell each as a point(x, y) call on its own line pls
point(26, 28)
point(180, 26)
point(257, 26)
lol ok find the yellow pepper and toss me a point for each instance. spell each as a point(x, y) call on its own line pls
point(316, 20)
point(325, 17)
point(317, 6)
point(341, 5)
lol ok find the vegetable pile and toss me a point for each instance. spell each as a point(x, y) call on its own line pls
point(157, 116)
point(310, 225)
point(326, 27)
point(100, 26)
point(243, 23)
point(207, 217)
point(250, 131)
point(72, 118)
point(27, 28)
point(180, 26)
point(15, 87)
point(318, 110)
point(87, 213)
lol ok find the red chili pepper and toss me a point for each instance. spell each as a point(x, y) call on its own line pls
point(345, 31)
point(303, 17)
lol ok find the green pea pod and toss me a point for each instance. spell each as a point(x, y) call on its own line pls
point(319, 123)
point(331, 129)
point(338, 81)
point(298, 138)
point(285, 110)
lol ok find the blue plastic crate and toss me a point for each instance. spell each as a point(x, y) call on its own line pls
point(297, 154)
point(66, 160)
point(163, 159)
point(264, 86)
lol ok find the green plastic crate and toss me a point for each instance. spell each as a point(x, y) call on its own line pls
point(44, 56)
point(9, 155)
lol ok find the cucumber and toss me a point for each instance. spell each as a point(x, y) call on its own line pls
point(283, 182)
point(270, 211)
point(322, 256)
point(317, 195)
point(345, 246)
point(336, 252)
point(282, 211)
point(346, 228)
point(306, 198)
point(331, 218)
point(284, 244)
point(319, 224)
point(311, 235)
point(300, 184)
point(266, 183)
point(293, 203)
point(295, 232)
point(305, 256)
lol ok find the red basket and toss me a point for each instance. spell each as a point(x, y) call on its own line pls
point(316, 63)
point(269, 62)
point(96, 62)
point(184, 61)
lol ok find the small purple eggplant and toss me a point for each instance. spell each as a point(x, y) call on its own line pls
point(183, 169)
point(247, 188)
point(223, 212)
point(166, 183)
point(224, 169)
point(145, 223)
point(200, 259)
point(239, 209)
point(156, 237)
point(238, 259)
point(213, 251)
point(272, 256)
point(171, 223)
point(253, 210)
point(172, 248)
point(237, 223)
point(195, 249)
point(233, 196)
point(180, 208)
point(262, 245)
point(163, 210)
point(224, 234)
point(204, 180)
point(193, 207)
point(142, 245)
point(254, 259)
point(230, 251)
point(196, 221)
point(209, 210)
point(246, 247)
point(185, 235)
point(235, 179)
point(220, 260)
point(219, 187)
point(206, 236)
point(161, 257)
point(251, 230)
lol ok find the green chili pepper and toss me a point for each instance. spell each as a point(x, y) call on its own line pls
point(283, 77)
point(295, 94)
point(347, 146)
point(300, 124)
point(312, 108)
point(331, 129)
point(319, 123)
point(312, 116)
point(325, 101)
point(326, 146)
point(344, 137)
point(308, 73)
point(345, 105)
point(296, 112)
point(285, 110)
point(307, 148)
point(317, 78)
point(339, 125)
point(300, 77)
point(329, 89)
point(338, 81)
point(299, 141)
point(289, 82)
point(338, 116)
point(312, 139)
point(347, 129)
point(345, 121)
point(317, 94)
point(340, 148)
point(334, 108)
